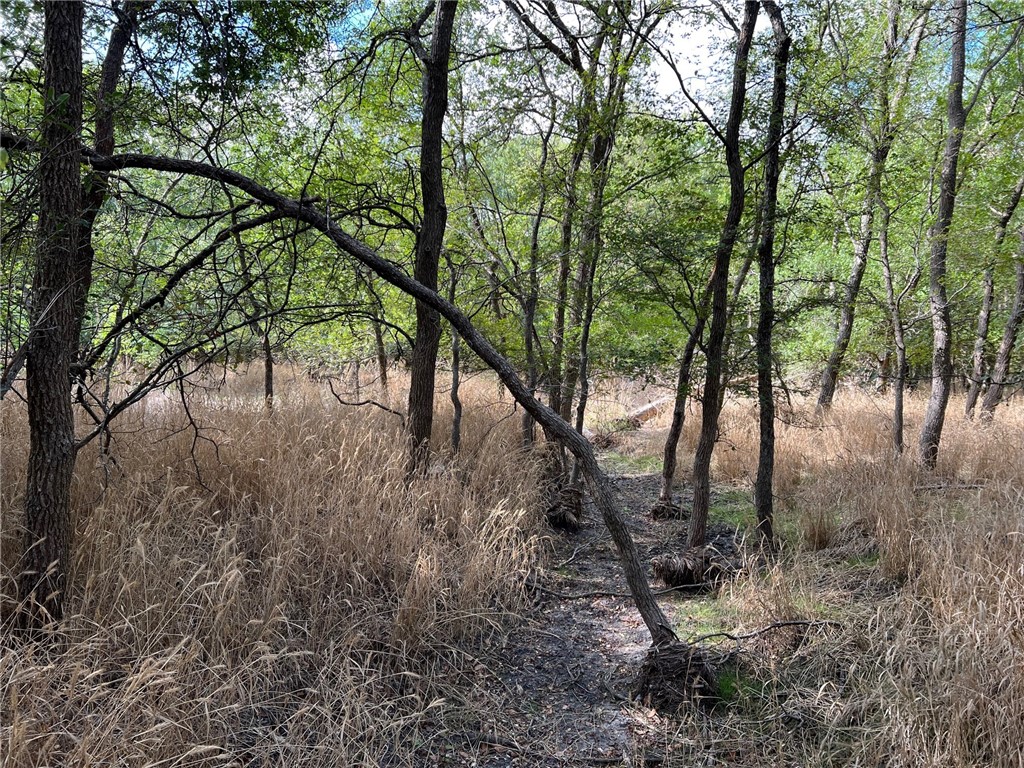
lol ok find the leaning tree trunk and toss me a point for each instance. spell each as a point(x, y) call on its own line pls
point(665, 506)
point(1001, 366)
point(554, 426)
point(53, 336)
point(423, 361)
point(942, 331)
point(763, 484)
point(977, 378)
point(720, 284)
point(984, 314)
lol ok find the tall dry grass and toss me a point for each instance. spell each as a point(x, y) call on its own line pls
point(922, 571)
point(269, 591)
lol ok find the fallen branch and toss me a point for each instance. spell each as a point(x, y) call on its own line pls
point(770, 628)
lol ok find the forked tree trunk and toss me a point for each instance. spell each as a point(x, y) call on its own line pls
point(978, 368)
point(977, 378)
point(665, 505)
point(1001, 366)
point(720, 284)
point(894, 301)
point(423, 360)
point(764, 482)
point(54, 339)
point(942, 331)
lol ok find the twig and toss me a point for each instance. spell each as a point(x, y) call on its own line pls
point(399, 414)
point(769, 628)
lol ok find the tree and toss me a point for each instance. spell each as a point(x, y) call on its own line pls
point(719, 283)
point(957, 112)
point(430, 238)
point(879, 127)
point(57, 296)
point(763, 501)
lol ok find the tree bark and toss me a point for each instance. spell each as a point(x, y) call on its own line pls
point(764, 482)
point(382, 359)
point(423, 360)
point(268, 371)
point(942, 331)
point(894, 302)
point(984, 314)
point(675, 430)
point(53, 339)
point(720, 284)
point(1001, 366)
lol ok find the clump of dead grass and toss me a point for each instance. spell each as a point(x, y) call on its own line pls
point(270, 590)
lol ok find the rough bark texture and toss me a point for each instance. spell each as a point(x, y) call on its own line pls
point(53, 338)
point(423, 360)
point(764, 482)
point(96, 186)
point(720, 285)
point(942, 331)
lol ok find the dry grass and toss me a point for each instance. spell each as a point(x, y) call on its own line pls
point(298, 603)
point(294, 602)
point(923, 575)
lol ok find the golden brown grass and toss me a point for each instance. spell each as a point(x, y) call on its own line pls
point(922, 573)
point(297, 602)
point(293, 602)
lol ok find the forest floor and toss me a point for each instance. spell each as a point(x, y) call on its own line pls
point(558, 687)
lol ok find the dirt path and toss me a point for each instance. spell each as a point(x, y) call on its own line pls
point(559, 689)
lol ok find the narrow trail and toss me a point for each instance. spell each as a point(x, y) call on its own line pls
point(558, 690)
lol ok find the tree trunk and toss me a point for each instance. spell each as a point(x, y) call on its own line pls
point(881, 137)
point(720, 284)
point(763, 484)
point(978, 367)
point(942, 331)
point(382, 359)
point(53, 338)
point(1001, 366)
point(456, 365)
point(558, 345)
point(894, 302)
point(980, 341)
point(533, 291)
point(268, 371)
point(423, 360)
point(665, 505)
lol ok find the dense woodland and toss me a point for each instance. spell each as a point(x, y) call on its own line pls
point(328, 326)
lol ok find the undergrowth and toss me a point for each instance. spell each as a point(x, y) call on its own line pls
point(268, 590)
